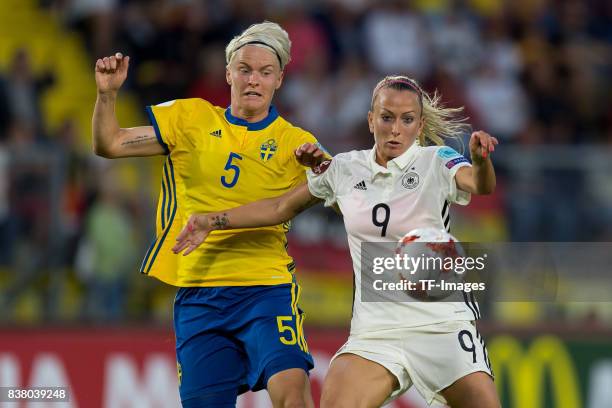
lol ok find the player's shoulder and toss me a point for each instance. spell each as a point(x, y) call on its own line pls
point(352, 160)
point(295, 136)
point(344, 166)
point(443, 152)
point(444, 157)
point(290, 130)
point(438, 153)
point(187, 104)
point(199, 104)
point(353, 155)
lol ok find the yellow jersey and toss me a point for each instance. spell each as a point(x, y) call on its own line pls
point(216, 161)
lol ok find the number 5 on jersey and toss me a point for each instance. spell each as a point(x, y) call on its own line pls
point(231, 167)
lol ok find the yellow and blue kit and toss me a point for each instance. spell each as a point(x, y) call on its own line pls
point(237, 302)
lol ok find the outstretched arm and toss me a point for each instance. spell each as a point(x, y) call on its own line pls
point(480, 178)
point(110, 140)
point(272, 211)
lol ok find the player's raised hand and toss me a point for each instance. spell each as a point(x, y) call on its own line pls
point(309, 155)
point(192, 236)
point(111, 72)
point(482, 145)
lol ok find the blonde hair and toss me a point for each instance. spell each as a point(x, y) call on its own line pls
point(440, 122)
point(266, 35)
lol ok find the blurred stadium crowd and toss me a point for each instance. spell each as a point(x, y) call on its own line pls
point(535, 74)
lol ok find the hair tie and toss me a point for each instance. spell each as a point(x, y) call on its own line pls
point(402, 81)
point(267, 45)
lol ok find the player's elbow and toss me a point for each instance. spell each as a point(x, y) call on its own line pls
point(99, 151)
point(102, 151)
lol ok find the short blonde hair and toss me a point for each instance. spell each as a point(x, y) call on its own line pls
point(267, 35)
point(440, 122)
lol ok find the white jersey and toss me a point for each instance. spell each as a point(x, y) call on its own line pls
point(417, 188)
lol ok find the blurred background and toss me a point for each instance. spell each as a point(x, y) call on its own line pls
point(73, 227)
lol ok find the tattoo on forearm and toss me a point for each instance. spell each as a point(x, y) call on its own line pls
point(220, 221)
point(138, 140)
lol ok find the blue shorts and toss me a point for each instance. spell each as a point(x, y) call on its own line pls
point(232, 339)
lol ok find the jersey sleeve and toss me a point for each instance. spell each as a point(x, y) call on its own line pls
point(450, 161)
point(168, 119)
point(322, 181)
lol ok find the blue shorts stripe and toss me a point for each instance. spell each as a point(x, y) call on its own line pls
point(293, 298)
point(299, 323)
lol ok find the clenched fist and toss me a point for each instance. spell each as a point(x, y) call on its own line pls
point(111, 72)
point(309, 155)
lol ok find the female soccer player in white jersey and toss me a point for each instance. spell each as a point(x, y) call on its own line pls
point(392, 346)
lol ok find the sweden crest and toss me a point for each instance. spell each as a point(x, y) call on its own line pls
point(267, 149)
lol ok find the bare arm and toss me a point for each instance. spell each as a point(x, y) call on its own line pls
point(110, 140)
point(272, 211)
point(480, 178)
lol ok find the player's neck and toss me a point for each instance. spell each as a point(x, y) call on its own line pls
point(250, 116)
point(381, 160)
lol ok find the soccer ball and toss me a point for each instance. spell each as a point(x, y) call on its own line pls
point(430, 257)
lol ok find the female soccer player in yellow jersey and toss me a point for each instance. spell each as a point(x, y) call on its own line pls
point(236, 316)
point(407, 181)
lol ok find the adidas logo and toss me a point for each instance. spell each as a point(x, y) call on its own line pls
point(361, 185)
point(216, 133)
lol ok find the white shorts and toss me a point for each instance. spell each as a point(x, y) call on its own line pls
point(430, 357)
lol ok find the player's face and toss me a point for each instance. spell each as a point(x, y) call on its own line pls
point(254, 74)
point(395, 121)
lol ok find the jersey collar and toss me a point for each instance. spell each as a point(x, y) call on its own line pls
point(262, 124)
point(401, 161)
